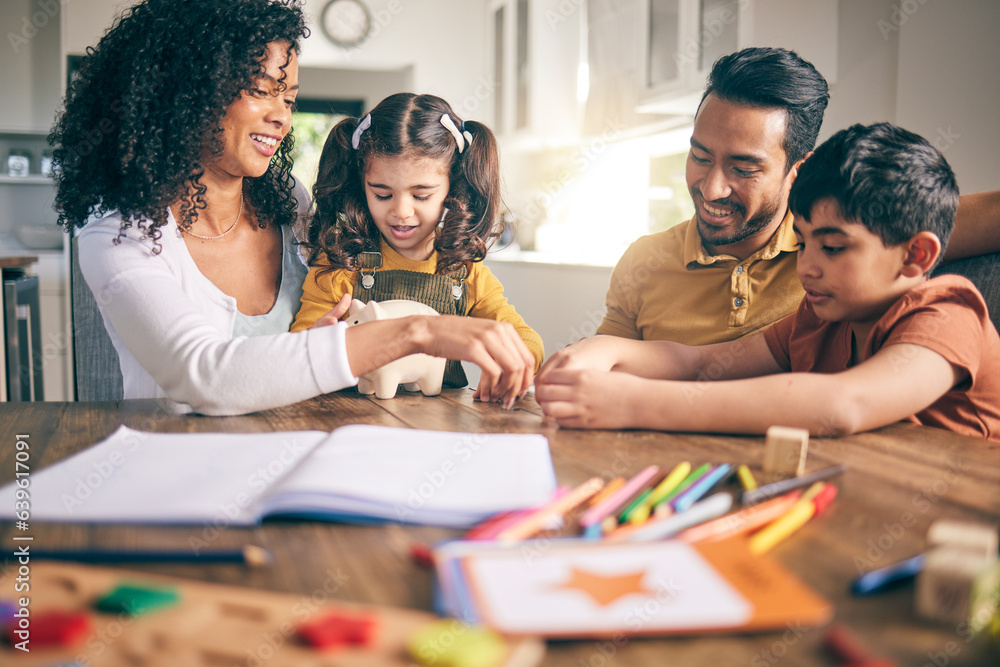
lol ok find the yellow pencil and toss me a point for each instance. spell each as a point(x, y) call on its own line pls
point(781, 528)
point(746, 478)
point(798, 516)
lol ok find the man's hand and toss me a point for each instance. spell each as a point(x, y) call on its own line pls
point(587, 398)
point(598, 353)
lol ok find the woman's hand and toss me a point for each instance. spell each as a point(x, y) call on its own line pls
point(495, 347)
point(507, 365)
point(334, 314)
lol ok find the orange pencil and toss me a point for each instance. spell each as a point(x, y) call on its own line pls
point(746, 520)
point(609, 488)
point(538, 519)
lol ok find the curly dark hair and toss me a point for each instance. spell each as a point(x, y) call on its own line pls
point(405, 124)
point(147, 104)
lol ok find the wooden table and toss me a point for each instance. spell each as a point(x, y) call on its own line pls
point(900, 479)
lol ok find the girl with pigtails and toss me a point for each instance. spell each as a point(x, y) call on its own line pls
point(406, 205)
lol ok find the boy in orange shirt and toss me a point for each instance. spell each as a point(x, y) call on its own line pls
point(875, 340)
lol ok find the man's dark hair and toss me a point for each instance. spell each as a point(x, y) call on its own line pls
point(773, 78)
point(892, 181)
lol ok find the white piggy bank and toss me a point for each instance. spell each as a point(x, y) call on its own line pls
point(415, 371)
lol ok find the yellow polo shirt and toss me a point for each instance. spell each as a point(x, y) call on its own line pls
point(667, 287)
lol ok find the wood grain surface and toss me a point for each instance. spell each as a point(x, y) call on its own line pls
point(899, 480)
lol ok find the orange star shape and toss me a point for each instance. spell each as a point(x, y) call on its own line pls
point(605, 589)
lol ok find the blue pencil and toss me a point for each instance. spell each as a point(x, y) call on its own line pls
point(701, 487)
point(879, 580)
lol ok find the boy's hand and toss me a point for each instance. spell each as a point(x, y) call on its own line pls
point(334, 314)
point(587, 398)
point(596, 353)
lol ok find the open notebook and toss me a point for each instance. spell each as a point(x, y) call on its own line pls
point(357, 473)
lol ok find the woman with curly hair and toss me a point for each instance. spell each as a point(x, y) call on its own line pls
point(406, 204)
point(172, 154)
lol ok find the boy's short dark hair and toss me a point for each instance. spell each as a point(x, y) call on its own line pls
point(772, 78)
point(891, 180)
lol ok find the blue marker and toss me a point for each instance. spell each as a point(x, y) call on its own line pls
point(701, 487)
point(877, 581)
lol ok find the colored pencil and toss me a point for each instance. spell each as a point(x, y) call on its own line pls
point(744, 521)
point(248, 555)
point(782, 487)
point(559, 507)
point(619, 498)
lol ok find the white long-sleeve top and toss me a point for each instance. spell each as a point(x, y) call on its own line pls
point(173, 330)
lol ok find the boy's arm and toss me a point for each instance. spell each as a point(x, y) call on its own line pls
point(666, 360)
point(977, 226)
point(898, 381)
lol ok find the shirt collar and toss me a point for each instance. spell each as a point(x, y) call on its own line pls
point(783, 240)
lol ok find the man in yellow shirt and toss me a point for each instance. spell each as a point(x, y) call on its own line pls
point(730, 270)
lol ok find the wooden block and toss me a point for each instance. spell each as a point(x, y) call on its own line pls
point(958, 586)
point(979, 538)
point(785, 451)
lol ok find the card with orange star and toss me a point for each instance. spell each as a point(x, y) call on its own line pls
point(571, 589)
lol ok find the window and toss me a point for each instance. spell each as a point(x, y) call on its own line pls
point(311, 122)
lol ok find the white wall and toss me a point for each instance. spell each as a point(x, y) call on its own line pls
point(442, 40)
point(948, 88)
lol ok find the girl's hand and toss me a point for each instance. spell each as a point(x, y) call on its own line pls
point(586, 398)
point(334, 314)
point(596, 353)
point(507, 365)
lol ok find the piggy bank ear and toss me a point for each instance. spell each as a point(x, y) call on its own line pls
point(378, 312)
point(354, 313)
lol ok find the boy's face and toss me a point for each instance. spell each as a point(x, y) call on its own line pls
point(847, 272)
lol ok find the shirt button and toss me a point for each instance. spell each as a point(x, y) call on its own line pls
point(737, 302)
point(739, 270)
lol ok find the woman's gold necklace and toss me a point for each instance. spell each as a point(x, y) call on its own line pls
point(219, 236)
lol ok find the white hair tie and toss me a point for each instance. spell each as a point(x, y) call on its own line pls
point(363, 125)
point(460, 137)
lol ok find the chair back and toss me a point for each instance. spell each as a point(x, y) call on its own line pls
point(984, 272)
point(98, 370)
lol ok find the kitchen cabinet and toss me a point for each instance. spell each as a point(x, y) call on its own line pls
point(26, 201)
point(537, 49)
point(683, 38)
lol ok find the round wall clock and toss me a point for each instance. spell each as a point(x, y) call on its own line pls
point(346, 22)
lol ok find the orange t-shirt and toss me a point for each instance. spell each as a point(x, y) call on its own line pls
point(946, 314)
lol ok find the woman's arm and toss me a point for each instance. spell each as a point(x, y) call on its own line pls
point(898, 381)
point(507, 365)
point(193, 361)
point(489, 302)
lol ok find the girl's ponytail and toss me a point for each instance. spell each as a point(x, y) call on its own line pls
point(340, 223)
point(472, 222)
